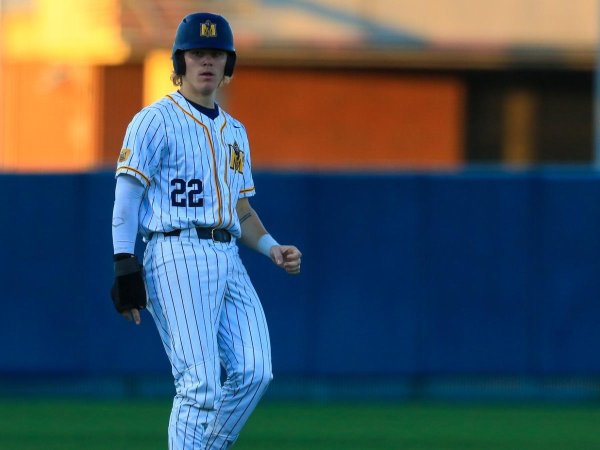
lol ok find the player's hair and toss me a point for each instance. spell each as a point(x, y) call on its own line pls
point(176, 79)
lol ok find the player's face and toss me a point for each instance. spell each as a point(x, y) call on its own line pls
point(204, 70)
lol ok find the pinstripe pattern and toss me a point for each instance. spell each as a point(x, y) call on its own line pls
point(202, 301)
point(171, 140)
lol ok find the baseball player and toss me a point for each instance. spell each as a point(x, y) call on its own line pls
point(183, 181)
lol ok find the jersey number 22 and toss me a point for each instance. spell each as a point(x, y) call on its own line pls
point(181, 197)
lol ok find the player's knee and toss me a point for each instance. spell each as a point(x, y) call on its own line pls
point(260, 368)
point(253, 376)
point(262, 379)
point(259, 377)
point(198, 386)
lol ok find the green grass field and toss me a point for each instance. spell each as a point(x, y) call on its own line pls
point(104, 425)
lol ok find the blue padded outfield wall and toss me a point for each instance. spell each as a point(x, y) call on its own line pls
point(410, 274)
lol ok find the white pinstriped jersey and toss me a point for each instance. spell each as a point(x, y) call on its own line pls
point(199, 294)
point(195, 168)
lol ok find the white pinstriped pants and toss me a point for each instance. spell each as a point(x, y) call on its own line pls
point(207, 313)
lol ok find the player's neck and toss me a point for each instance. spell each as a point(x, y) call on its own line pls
point(208, 101)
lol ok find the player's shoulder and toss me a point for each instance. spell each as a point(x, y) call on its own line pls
point(161, 104)
point(151, 111)
point(154, 112)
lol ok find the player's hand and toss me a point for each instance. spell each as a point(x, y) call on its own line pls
point(132, 315)
point(128, 291)
point(288, 257)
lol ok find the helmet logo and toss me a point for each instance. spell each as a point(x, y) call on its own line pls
point(208, 29)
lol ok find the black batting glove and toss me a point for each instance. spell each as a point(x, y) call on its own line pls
point(128, 290)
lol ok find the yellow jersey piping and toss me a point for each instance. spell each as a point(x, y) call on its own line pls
point(212, 150)
point(146, 179)
point(226, 171)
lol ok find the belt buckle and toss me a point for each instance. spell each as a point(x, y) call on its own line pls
point(212, 234)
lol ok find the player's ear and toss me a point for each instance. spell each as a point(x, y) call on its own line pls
point(225, 81)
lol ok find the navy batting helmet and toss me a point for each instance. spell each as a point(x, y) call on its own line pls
point(203, 30)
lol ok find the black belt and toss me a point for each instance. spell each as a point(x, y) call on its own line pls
point(216, 234)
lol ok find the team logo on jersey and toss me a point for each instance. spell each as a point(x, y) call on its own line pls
point(208, 29)
point(236, 160)
point(124, 155)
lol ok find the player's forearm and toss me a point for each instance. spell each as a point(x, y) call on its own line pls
point(128, 197)
point(252, 228)
point(254, 233)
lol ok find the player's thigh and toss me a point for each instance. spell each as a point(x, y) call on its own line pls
point(243, 331)
point(185, 292)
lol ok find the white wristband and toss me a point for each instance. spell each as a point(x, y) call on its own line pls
point(264, 244)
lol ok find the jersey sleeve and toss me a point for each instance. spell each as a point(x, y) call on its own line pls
point(142, 145)
point(247, 188)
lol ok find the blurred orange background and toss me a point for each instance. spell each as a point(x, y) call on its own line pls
point(319, 84)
